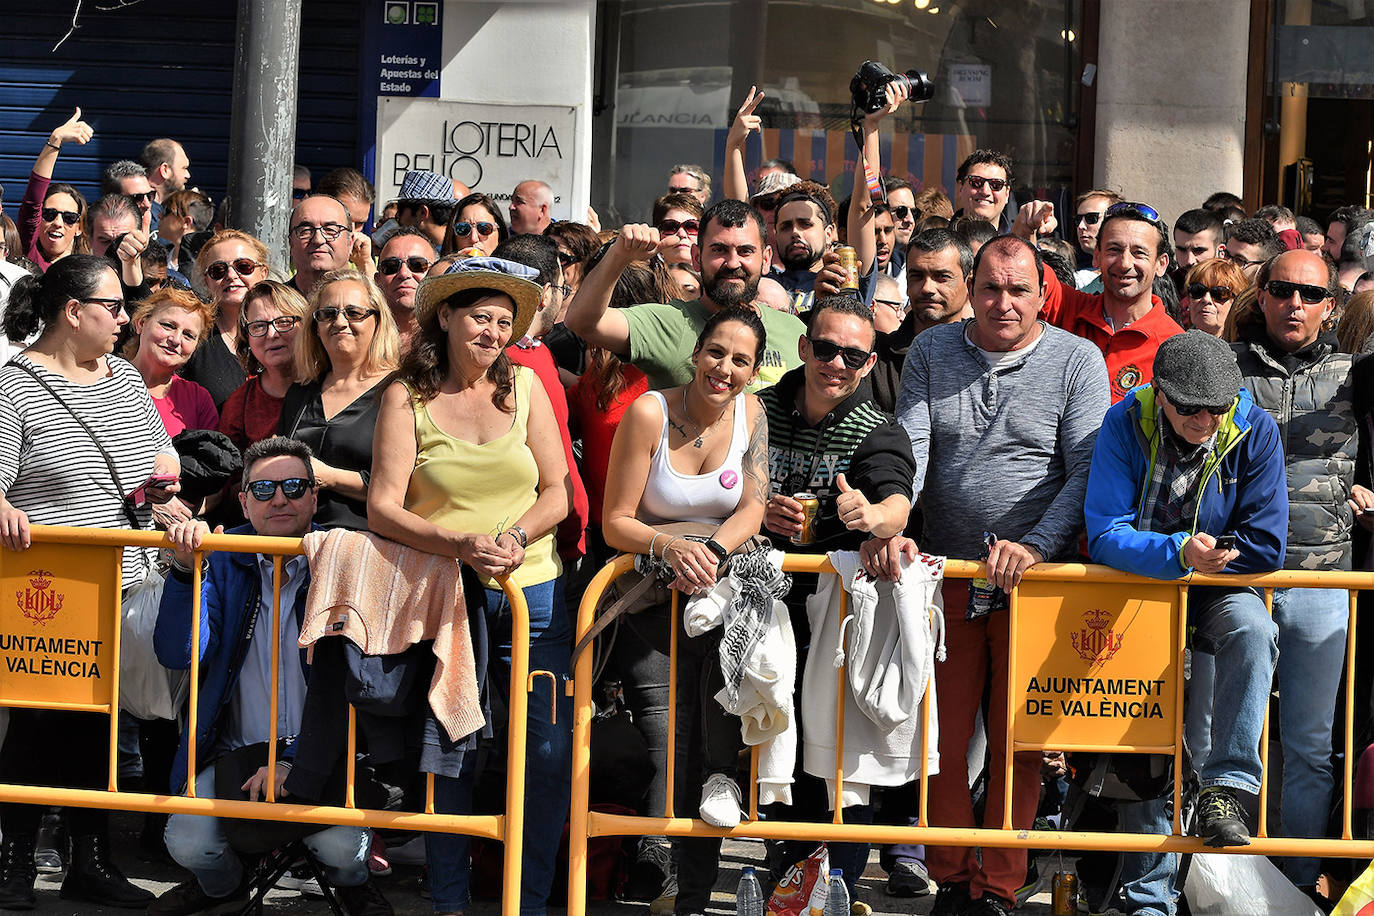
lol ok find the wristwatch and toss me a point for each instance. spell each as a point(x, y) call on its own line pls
point(518, 533)
point(721, 553)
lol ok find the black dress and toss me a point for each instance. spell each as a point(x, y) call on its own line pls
point(344, 442)
point(215, 368)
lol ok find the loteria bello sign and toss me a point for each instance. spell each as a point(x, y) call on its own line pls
point(58, 612)
point(1096, 664)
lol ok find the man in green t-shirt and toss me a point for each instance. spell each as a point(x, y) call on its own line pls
point(658, 338)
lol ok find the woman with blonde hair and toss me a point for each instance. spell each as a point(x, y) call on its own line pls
point(341, 363)
point(268, 324)
point(1209, 294)
point(229, 264)
point(168, 326)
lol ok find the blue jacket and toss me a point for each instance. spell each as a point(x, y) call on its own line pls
point(231, 588)
point(1244, 490)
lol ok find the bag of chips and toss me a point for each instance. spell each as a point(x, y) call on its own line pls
point(802, 890)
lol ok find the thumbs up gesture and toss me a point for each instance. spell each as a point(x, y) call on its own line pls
point(854, 509)
point(75, 130)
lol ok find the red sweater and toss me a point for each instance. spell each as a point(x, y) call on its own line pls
point(598, 429)
point(572, 531)
point(1129, 352)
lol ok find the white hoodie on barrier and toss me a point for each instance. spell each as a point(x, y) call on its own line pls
point(889, 653)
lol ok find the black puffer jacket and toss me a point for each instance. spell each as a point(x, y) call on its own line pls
point(1309, 393)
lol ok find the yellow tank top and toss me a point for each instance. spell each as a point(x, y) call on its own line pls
point(482, 489)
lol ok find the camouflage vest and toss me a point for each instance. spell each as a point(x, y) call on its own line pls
point(1313, 409)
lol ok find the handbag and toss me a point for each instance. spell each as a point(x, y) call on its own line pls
point(147, 690)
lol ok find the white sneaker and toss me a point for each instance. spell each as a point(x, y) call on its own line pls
point(720, 799)
point(299, 879)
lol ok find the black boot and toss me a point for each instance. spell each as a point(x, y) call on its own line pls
point(17, 872)
point(93, 878)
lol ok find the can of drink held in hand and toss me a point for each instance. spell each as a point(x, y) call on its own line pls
point(810, 506)
point(1064, 894)
point(849, 261)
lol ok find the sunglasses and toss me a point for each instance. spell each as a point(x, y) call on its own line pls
point(826, 350)
point(1092, 218)
point(388, 266)
point(1220, 294)
point(765, 202)
point(904, 211)
point(1310, 293)
point(353, 313)
point(1144, 210)
point(673, 190)
point(566, 258)
point(1191, 410)
point(242, 266)
point(300, 193)
point(291, 488)
point(465, 228)
point(113, 306)
point(145, 197)
point(997, 185)
point(70, 217)
point(671, 227)
point(155, 283)
point(282, 323)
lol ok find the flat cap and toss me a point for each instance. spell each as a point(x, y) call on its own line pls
point(1195, 369)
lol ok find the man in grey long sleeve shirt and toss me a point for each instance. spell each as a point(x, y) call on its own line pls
point(1003, 411)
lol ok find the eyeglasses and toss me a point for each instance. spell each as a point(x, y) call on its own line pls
point(242, 266)
point(1240, 261)
point(145, 197)
point(1310, 293)
point(766, 202)
point(282, 323)
point(997, 185)
point(826, 350)
point(113, 306)
point(388, 266)
point(894, 304)
point(1144, 210)
point(1190, 410)
point(671, 226)
point(673, 190)
point(353, 313)
point(304, 232)
point(904, 211)
point(1091, 218)
point(291, 488)
point(300, 193)
point(465, 228)
point(1220, 294)
point(565, 289)
point(566, 258)
point(50, 214)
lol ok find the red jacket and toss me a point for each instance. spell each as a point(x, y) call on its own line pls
point(572, 531)
point(1129, 352)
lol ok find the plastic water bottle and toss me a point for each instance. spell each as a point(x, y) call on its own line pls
point(749, 895)
point(837, 897)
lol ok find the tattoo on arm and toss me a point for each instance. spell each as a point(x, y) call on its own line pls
point(755, 460)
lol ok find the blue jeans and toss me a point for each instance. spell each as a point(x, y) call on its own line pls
point(548, 756)
point(1312, 630)
point(198, 844)
point(1147, 878)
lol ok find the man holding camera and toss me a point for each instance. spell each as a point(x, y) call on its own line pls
point(1188, 476)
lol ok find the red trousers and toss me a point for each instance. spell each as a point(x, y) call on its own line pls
point(977, 651)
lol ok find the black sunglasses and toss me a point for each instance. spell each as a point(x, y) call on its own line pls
point(826, 350)
point(1220, 294)
point(904, 211)
point(1189, 410)
point(465, 228)
point(977, 181)
point(352, 313)
point(671, 226)
point(300, 193)
point(1092, 218)
point(145, 196)
point(1310, 293)
point(566, 258)
point(70, 217)
point(291, 488)
point(765, 202)
point(242, 266)
point(388, 266)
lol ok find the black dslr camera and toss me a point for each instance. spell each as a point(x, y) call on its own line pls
point(869, 86)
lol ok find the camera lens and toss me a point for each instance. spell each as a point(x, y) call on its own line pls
point(920, 86)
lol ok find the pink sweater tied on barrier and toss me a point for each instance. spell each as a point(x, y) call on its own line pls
point(385, 597)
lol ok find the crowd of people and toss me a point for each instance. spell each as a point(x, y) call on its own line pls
point(472, 392)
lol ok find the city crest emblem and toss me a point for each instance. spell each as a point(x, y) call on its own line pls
point(40, 602)
point(1096, 642)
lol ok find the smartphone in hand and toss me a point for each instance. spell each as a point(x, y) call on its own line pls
point(140, 494)
point(1226, 542)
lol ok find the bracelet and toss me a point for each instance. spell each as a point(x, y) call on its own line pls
point(53, 145)
point(657, 535)
point(519, 534)
point(669, 543)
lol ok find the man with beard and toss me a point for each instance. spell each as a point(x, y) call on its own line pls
point(657, 338)
point(938, 264)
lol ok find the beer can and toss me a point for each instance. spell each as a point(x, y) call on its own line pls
point(810, 506)
point(849, 261)
point(1064, 896)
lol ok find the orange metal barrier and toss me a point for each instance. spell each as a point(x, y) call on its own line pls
point(1039, 579)
point(507, 828)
